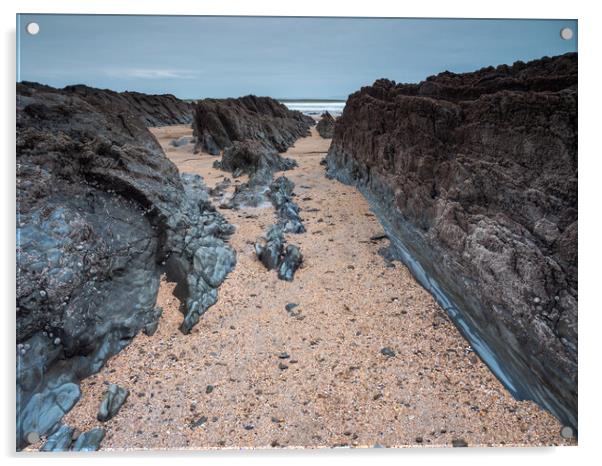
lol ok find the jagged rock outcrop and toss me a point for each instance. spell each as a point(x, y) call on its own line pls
point(274, 253)
point(475, 177)
point(218, 123)
point(281, 195)
point(152, 109)
point(258, 161)
point(325, 126)
point(100, 212)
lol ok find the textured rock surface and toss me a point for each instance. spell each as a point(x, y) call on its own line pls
point(99, 210)
point(89, 441)
point(274, 254)
point(152, 109)
point(220, 122)
point(258, 161)
point(476, 174)
point(112, 402)
point(325, 126)
point(281, 194)
point(60, 440)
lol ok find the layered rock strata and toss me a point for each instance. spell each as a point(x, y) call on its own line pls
point(218, 123)
point(475, 177)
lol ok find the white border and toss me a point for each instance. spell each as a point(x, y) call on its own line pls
point(590, 169)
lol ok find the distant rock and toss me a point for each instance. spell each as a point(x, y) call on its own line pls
point(325, 126)
point(151, 109)
point(218, 123)
point(182, 141)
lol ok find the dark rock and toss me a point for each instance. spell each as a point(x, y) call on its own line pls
point(250, 156)
point(199, 422)
point(284, 354)
point(209, 389)
point(60, 440)
point(249, 426)
point(290, 263)
point(388, 352)
point(269, 251)
point(290, 306)
point(181, 141)
point(281, 192)
point(89, 441)
point(282, 366)
point(112, 401)
point(100, 210)
point(220, 122)
point(459, 443)
point(475, 175)
point(325, 126)
point(151, 327)
point(152, 110)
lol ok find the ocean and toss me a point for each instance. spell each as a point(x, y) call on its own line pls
point(316, 107)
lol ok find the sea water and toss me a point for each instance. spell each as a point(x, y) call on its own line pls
point(316, 107)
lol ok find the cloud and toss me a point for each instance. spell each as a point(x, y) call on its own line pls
point(150, 73)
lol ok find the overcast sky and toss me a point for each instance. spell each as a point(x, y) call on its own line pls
point(195, 57)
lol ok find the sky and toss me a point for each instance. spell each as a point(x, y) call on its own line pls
point(325, 58)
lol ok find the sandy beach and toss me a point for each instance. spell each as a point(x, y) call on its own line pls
point(366, 359)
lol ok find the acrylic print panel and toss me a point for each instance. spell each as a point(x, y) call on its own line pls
point(262, 232)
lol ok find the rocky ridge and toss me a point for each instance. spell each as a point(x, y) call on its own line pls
point(475, 177)
point(218, 123)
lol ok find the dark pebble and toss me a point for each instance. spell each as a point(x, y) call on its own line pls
point(388, 352)
point(209, 389)
point(459, 443)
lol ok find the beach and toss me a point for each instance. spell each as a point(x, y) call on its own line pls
point(366, 359)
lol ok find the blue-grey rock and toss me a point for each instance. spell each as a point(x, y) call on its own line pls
point(112, 401)
point(89, 441)
point(60, 440)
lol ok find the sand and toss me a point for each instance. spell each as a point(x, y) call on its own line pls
point(227, 385)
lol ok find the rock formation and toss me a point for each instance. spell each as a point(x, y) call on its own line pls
point(325, 126)
point(475, 177)
point(220, 122)
point(153, 110)
point(100, 212)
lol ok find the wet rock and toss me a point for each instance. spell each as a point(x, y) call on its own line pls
point(476, 175)
point(281, 193)
point(290, 263)
point(112, 401)
point(100, 210)
point(325, 126)
point(218, 123)
point(269, 251)
point(89, 441)
point(60, 440)
point(151, 327)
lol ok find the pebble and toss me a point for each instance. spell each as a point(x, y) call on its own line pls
point(282, 366)
point(209, 389)
point(388, 352)
point(459, 443)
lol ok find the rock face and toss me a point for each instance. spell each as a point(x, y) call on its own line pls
point(325, 126)
point(220, 122)
point(100, 209)
point(153, 110)
point(475, 177)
